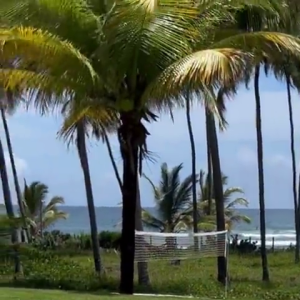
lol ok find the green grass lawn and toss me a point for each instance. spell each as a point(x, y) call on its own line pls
point(28, 294)
point(195, 277)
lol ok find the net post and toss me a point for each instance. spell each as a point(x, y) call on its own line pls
point(226, 254)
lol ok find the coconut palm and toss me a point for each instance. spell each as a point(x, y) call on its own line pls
point(137, 56)
point(172, 198)
point(193, 157)
point(39, 213)
point(8, 106)
point(232, 216)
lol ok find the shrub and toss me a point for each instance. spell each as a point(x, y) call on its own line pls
point(110, 240)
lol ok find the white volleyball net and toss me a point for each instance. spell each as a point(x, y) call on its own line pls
point(169, 246)
point(180, 247)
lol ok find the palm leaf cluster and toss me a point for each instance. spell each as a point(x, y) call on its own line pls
point(173, 203)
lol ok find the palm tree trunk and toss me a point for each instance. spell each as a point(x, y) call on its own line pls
point(193, 156)
point(209, 170)
point(263, 251)
point(14, 171)
point(129, 147)
point(81, 147)
point(8, 205)
point(107, 142)
point(218, 189)
point(143, 275)
point(294, 168)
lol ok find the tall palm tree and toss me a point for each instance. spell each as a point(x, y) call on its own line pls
point(110, 59)
point(193, 157)
point(143, 275)
point(75, 128)
point(8, 203)
point(172, 198)
point(38, 213)
point(8, 105)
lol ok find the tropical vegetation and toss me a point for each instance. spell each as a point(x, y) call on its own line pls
point(40, 213)
point(114, 66)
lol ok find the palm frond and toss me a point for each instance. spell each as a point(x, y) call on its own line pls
point(151, 221)
point(215, 68)
point(237, 202)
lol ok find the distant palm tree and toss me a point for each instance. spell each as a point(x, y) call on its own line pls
point(232, 216)
point(40, 214)
point(172, 198)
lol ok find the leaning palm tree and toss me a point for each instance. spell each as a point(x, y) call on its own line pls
point(133, 56)
point(172, 197)
point(39, 213)
point(193, 158)
point(78, 123)
point(8, 105)
point(232, 216)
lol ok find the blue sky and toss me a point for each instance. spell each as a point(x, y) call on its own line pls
point(41, 156)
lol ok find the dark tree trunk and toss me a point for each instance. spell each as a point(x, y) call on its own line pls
point(294, 168)
point(14, 171)
point(209, 170)
point(114, 165)
point(263, 250)
point(5, 184)
point(81, 147)
point(143, 274)
point(193, 156)
point(218, 190)
point(9, 205)
point(129, 146)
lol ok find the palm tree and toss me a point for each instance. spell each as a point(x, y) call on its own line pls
point(38, 213)
point(232, 216)
point(291, 77)
point(172, 198)
point(8, 105)
point(137, 57)
point(193, 156)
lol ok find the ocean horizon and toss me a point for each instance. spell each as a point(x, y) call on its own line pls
point(279, 223)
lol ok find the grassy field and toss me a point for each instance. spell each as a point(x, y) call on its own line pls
point(28, 294)
point(195, 277)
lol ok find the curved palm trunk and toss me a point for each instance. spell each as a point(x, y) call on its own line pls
point(209, 171)
point(143, 275)
point(14, 171)
point(81, 147)
point(193, 155)
point(107, 142)
point(8, 204)
point(129, 147)
point(218, 188)
point(264, 260)
point(294, 168)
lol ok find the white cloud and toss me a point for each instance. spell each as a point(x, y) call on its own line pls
point(246, 155)
point(21, 164)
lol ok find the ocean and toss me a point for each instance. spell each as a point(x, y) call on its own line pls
point(279, 223)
